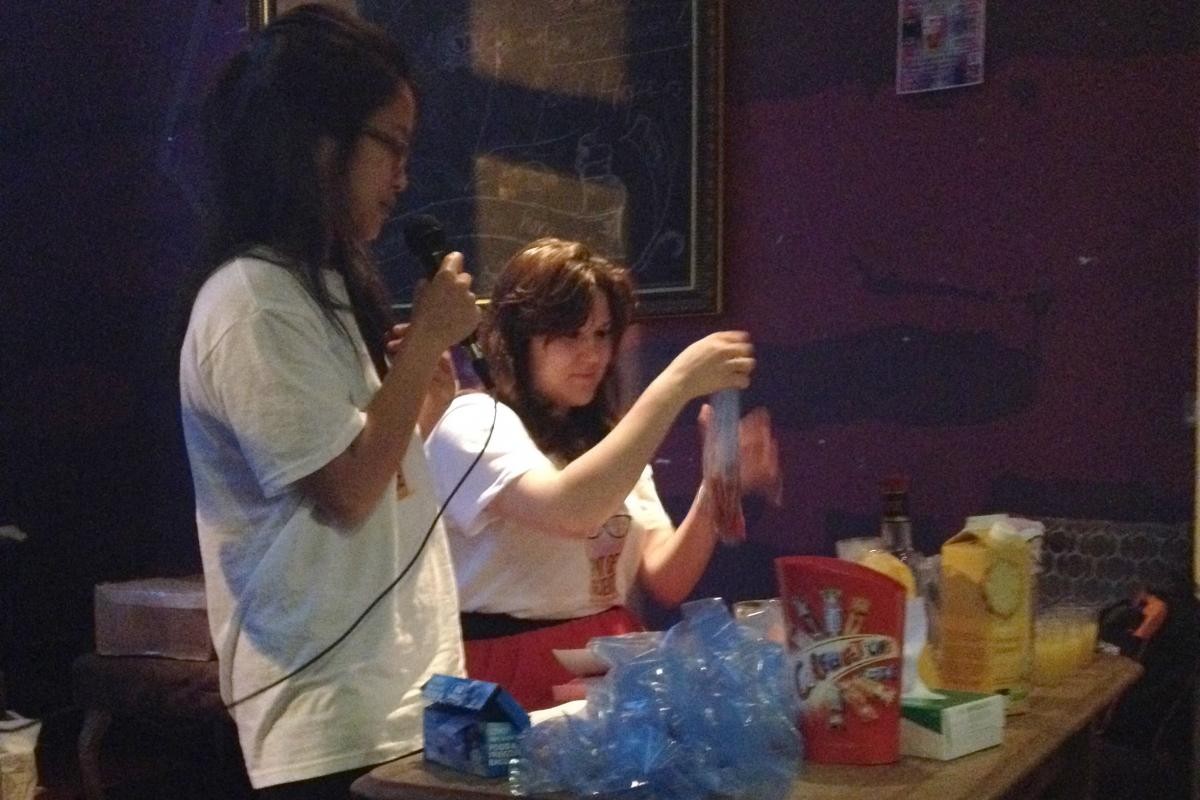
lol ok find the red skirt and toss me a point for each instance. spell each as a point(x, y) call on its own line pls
point(525, 665)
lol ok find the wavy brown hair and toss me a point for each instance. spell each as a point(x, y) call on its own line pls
point(548, 288)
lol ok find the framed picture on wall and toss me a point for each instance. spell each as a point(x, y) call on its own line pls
point(599, 122)
point(939, 44)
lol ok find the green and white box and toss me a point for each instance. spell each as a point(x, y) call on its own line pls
point(946, 728)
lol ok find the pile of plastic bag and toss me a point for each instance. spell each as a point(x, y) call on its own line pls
point(707, 710)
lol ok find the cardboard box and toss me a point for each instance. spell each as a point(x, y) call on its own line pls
point(164, 617)
point(961, 723)
point(986, 608)
point(471, 726)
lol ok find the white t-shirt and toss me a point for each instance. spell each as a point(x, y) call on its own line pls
point(272, 390)
point(503, 568)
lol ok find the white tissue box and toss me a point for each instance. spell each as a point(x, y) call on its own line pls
point(960, 723)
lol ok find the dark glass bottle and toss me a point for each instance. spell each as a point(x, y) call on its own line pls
point(896, 526)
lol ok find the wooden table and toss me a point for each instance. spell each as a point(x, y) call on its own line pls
point(1052, 745)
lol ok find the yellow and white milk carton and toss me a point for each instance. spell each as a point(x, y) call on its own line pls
point(986, 612)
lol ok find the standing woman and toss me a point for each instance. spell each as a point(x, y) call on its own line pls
point(560, 518)
point(312, 491)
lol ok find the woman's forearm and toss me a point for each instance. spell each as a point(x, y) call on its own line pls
point(577, 499)
point(350, 486)
point(674, 561)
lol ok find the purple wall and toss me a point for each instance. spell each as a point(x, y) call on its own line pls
point(992, 289)
point(988, 285)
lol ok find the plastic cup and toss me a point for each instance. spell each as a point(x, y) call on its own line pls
point(763, 617)
point(855, 548)
point(1055, 647)
point(1084, 626)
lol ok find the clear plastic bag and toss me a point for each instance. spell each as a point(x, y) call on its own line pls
point(707, 711)
point(722, 466)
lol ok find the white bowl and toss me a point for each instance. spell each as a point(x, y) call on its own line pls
point(581, 662)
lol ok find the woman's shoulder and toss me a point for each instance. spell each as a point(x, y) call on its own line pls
point(252, 282)
point(472, 414)
point(469, 404)
point(262, 276)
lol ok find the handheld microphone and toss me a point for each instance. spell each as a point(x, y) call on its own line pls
point(426, 239)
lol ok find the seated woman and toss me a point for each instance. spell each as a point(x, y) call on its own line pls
point(560, 517)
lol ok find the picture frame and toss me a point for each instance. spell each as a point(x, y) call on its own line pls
point(598, 122)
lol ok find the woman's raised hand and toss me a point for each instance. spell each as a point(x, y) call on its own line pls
point(758, 457)
point(443, 386)
point(758, 453)
point(444, 307)
point(722, 360)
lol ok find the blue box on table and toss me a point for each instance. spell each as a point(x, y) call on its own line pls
point(471, 726)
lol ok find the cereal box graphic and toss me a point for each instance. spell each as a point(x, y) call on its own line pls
point(845, 624)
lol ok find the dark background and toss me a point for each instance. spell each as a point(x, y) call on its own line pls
point(992, 289)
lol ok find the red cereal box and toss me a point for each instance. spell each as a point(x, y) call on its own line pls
point(845, 626)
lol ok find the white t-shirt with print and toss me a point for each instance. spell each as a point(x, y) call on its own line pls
point(272, 390)
point(504, 568)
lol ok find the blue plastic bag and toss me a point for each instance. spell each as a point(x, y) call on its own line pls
point(708, 710)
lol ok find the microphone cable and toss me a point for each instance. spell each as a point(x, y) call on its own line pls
point(387, 589)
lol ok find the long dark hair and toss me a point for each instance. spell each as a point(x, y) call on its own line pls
point(313, 75)
point(548, 288)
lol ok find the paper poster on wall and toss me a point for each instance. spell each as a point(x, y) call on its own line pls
point(939, 44)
